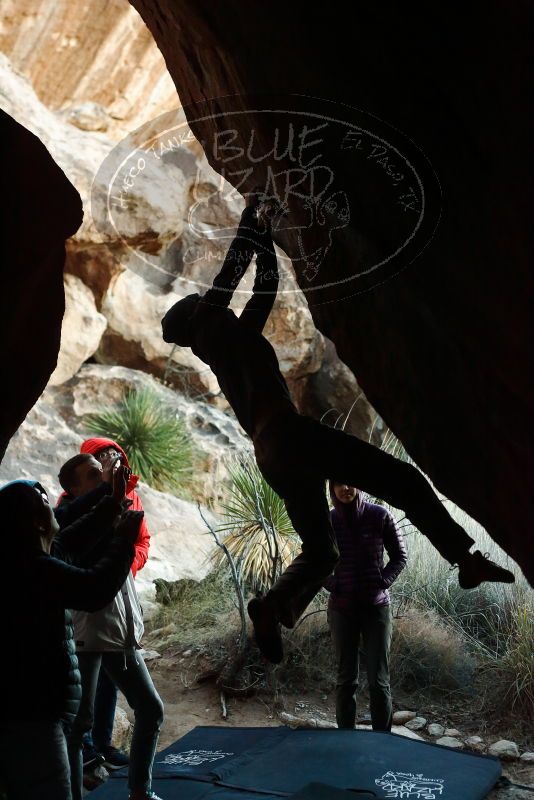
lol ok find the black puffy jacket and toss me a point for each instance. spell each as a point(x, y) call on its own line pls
point(41, 678)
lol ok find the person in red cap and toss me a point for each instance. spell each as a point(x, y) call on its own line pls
point(92, 481)
point(108, 453)
point(97, 747)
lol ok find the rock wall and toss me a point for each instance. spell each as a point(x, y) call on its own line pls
point(122, 277)
point(69, 53)
point(181, 545)
point(439, 348)
point(40, 209)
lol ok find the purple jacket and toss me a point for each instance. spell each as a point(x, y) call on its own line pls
point(362, 531)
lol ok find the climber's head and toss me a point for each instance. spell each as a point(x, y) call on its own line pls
point(176, 324)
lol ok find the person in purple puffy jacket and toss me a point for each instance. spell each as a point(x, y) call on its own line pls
point(359, 604)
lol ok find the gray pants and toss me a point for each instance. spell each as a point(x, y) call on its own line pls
point(374, 626)
point(33, 760)
point(128, 671)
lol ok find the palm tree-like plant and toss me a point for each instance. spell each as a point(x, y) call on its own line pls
point(157, 443)
point(258, 531)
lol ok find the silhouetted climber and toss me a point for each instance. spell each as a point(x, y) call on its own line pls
point(296, 453)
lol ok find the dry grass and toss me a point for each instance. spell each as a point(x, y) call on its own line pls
point(428, 655)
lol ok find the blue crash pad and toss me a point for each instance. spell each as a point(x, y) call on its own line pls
point(216, 763)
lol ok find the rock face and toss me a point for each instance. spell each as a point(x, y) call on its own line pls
point(439, 348)
point(69, 54)
point(180, 545)
point(41, 210)
point(217, 437)
point(81, 330)
point(332, 394)
point(168, 242)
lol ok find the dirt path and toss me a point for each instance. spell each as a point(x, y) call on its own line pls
point(188, 704)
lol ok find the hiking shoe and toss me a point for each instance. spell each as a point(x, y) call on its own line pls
point(475, 568)
point(266, 630)
point(143, 795)
point(91, 757)
point(114, 758)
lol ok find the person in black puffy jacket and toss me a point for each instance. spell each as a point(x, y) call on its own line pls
point(41, 678)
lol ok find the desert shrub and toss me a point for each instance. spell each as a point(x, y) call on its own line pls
point(256, 528)
point(199, 609)
point(309, 655)
point(428, 655)
point(507, 672)
point(156, 442)
point(494, 622)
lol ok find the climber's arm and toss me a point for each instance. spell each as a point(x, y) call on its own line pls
point(239, 255)
point(257, 310)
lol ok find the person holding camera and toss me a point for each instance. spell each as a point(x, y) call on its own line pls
point(110, 638)
point(41, 678)
point(97, 743)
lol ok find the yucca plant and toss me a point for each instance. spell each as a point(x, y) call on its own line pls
point(157, 443)
point(258, 531)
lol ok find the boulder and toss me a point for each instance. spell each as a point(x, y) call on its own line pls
point(504, 749)
point(42, 210)
point(450, 741)
point(81, 330)
point(217, 438)
point(160, 200)
point(180, 544)
point(40, 446)
point(437, 330)
point(402, 717)
point(452, 732)
point(88, 116)
point(475, 743)
point(332, 394)
point(122, 729)
point(166, 236)
point(416, 724)
point(434, 729)
point(527, 757)
point(133, 338)
point(134, 308)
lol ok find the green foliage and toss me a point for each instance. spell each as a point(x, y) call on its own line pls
point(258, 532)
point(156, 442)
